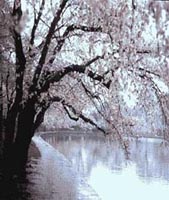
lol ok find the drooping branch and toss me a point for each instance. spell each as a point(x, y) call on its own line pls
point(143, 73)
point(147, 75)
point(164, 109)
point(57, 76)
point(148, 72)
point(70, 110)
point(113, 126)
point(45, 49)
point(89, 93)
point(78, 116)
point(92, 97)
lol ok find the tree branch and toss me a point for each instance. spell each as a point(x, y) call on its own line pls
point(67, 106)
point(36, 22)
point(49, 78)
point(20, 56)
point(147, 75)
point(45, 49)
point(43, 106)
point(71, 28)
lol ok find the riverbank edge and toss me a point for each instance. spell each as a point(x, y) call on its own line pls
point(34, 151)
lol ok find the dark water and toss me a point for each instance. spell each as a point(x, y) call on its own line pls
point(103, 164)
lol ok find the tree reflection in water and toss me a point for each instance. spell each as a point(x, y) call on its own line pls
point(104, 165)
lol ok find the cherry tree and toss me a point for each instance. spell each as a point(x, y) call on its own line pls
point(45, 50)
point(79, 53)
point(138, 65)
point(137, 99)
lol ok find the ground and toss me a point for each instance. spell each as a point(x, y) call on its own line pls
point(33, 151)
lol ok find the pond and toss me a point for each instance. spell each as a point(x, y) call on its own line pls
point(103, 164)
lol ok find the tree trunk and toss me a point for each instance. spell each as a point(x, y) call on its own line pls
point(8, 144)
point(1, 119)
point(1, 110)
point(16, 152)
point(24, 134)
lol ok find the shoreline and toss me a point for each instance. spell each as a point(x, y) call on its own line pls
point(33, 151)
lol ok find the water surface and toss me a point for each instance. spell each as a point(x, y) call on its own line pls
point(104, 166)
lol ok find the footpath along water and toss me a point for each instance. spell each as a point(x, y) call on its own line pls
point(56, 179)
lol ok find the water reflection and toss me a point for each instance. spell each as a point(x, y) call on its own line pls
point(104, 165)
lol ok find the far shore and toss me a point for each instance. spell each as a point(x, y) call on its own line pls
point(99, 133)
